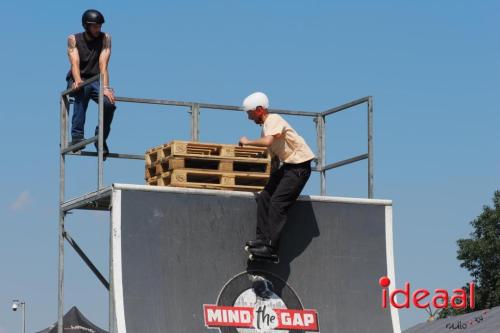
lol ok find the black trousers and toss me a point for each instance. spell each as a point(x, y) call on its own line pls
point(273, 203)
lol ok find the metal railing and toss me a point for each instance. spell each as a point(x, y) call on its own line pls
point(194, 110)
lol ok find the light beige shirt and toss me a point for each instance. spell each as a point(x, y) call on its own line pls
point(289, 146)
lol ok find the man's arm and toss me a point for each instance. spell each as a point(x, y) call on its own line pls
point(74, 60)
point(103, 66)
point(265, 141)
point(104, 58)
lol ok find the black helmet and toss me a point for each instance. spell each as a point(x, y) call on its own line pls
point(92, 16)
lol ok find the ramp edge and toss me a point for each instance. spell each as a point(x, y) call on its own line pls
point(389, 248)
point(318, 198)
point(116, 267)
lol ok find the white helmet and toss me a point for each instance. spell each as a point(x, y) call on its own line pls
point(254, 100)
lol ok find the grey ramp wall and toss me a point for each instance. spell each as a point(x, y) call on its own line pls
point(179, 250)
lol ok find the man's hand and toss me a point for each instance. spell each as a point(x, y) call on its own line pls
point(243, 141)
point(265, 141)
point(108, 92)
point(76, 85)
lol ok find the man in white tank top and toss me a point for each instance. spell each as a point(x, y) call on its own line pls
point(285, 183)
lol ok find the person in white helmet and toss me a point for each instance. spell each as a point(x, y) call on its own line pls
point(285, 183)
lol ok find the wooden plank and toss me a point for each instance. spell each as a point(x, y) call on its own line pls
point(210, 179)
point(152, 156)
point(208, 164)
point(192, 149)
point(155, 181)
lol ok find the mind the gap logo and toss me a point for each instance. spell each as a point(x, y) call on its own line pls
point(261, 318)
point(259, 301)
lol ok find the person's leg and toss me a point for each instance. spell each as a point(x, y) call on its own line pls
point(263, 200)
point(80, 104)
point(109, 110)
point(285, 195)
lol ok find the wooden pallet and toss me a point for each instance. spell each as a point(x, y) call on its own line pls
point(197, 149)
point(238, 181)
point(208, 164)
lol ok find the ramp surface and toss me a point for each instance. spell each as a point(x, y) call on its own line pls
point(175, 251)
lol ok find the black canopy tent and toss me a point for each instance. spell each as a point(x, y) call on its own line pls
point(74, 322)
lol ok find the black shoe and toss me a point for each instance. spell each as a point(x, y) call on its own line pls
point(263, 251)
point(74, 141)
point(254, 243)
point(105, 149)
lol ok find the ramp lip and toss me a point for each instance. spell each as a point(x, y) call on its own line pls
point(318, 198)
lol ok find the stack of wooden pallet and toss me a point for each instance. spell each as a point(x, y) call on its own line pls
point(206, 165)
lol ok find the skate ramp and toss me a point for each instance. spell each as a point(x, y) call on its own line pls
point(178, 259)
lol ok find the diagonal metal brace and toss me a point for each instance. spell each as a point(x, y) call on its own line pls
point(89, 263)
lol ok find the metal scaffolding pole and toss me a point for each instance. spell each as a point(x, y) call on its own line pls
point(320, 130)
point(64, 106)
point(100, 139)
point(195, 115)
point(370, 147)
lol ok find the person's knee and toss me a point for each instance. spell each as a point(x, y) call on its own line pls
point(263, 196)
point(108, 106)
point(278, 204)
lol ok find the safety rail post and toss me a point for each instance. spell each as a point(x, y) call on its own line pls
point(370, 147)
point(195, 116)
point(320, 138)
point(100, 136)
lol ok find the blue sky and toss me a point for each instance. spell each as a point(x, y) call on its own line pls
point(433, 69)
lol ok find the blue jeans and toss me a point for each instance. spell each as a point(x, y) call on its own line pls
point(82, 97)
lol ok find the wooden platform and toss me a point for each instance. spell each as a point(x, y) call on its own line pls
point(206, 164)
point(196, 149)
point(238, 181)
